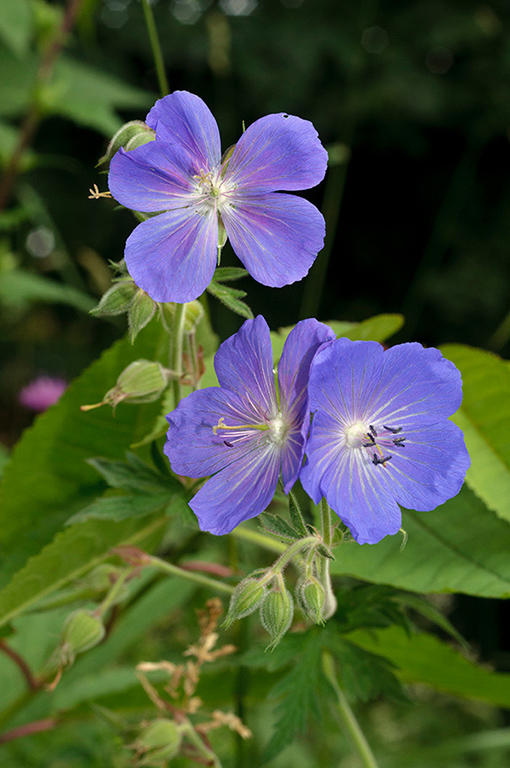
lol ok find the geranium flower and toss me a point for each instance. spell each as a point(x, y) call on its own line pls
point(380, 433)
point(249, 429)
point(277, 236)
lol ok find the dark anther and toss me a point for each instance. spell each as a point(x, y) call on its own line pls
point(376, 460)
point(229, 445)
point(373, 430)
point(399, 442)
point(392, 429)
point(285, 115)
point(368, 445)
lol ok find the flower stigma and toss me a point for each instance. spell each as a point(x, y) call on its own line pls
point(358, 435)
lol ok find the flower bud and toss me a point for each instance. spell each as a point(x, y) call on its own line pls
point(311, 598)
point(132, 134)
point(141, 311)
point(158, 742)
point(142, 381)
point(276, 614)
point(117, 299)
point(82, 630)
point(246, 598)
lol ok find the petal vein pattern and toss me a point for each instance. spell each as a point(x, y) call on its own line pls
point(380, 434)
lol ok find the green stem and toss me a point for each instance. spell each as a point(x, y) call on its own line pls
point(198, 578)
point(176, 350)
point(330, 603)
point(256, 537)
point(199, 745)
point(114, 592)
point(349, 721)
point(156, 48)
point(293, 550)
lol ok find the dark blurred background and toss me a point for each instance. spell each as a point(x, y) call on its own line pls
point(412, 100)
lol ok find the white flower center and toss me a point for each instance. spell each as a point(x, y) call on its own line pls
point(278, 429)
point(212, 189)
point(356, 434)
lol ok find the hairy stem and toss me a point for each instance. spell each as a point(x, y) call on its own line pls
point(176, 350)
point(198, 578)
point(25, 670)
point(330, 604)
point(349, 721)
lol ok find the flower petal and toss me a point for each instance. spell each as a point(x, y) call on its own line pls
point(244, 364)
point(430, 469)
point(189, 123)
point(239, 492)
point(278, 152)
point(276, 236)
point(299, 350)
point(153, 177)
point(172, 256)
point(192, 446)
point(359, 498)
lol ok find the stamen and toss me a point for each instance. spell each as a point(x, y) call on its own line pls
point(221, 425)
point(392, 429)
point(399, 442)
point(372, 429)
point(376, 460)
point(229, 445)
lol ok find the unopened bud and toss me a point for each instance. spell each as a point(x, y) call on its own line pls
point(141, 311)
point(82, 631)
point(276, 614)
point(158, 741)
point(311, 598)
point(246, 598)
point(142, 381)
point(117, 299)
point(132, 134)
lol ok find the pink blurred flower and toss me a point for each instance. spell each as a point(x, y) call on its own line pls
point(42, 392)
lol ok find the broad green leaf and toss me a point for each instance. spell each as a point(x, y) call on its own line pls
point(377, 328)
point(17, 81)
point(20, 288)
point(90, 97)
point(121, 507)
point(134, 475)
point(422, 658)
point(484, 417)
point(16, 25)
point(459, 547)
point(67, 557)
point(48, 478)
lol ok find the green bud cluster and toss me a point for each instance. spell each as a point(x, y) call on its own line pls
point(246, 598)
point(311, 598)
point(277, 612)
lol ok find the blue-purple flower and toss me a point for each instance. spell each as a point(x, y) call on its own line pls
point(380, 433)
point(197, 194)
point(251, 428)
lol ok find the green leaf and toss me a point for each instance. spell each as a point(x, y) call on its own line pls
point(484, 417)
point(378, 328)
point(17, 81)
point(121, 507)
point(67, 557)
point(230, 297)
point(48, 478)
point(277, 525)
point(459, 547)
point(134, 475)
point(364, 675)
point(227, 274)
point(20, 288)
point(90, 97)
point(16, 25)
point(299, 692)
point(422, 658)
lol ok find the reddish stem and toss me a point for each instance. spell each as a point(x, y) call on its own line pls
point(214, 568)
point(32, 682)
point(26, 730)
